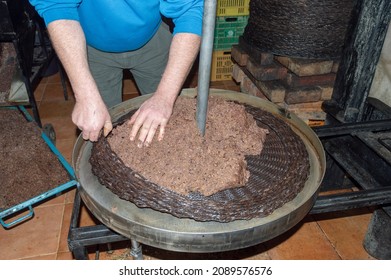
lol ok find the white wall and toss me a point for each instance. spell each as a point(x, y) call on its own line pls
point(381, 85)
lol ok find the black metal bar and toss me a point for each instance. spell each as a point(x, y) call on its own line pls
point(352, 200)
point(92, 235)
point(76, 210)
point(80, 253)
point(349, 163)
point(81, 237)
point(376, 143)
point(348, 128)
point(88, 235)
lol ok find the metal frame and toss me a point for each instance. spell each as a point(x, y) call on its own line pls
point(9, 213)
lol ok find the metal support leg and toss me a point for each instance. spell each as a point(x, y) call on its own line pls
point(80, 253)
point(377, 240)
point(136, 250)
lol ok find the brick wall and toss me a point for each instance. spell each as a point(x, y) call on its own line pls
point(299, 85)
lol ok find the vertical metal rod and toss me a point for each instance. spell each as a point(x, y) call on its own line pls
point(206, 49)
point(136, 250)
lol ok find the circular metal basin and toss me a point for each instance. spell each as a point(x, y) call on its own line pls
point(162, 230)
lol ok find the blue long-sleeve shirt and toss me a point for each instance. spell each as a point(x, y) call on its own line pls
point(123, 25)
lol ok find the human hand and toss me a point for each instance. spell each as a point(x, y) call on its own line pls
point(154, 112)
point(90, 118)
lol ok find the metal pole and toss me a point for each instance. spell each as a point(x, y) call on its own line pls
point(208, 27)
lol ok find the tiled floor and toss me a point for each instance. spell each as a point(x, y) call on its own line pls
point(321, 237)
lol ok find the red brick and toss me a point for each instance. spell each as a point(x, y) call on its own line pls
point(327, 93)
point(304, 107)
point(256, 54)
point(303, 95)
point(239, 55)
point(305, 67)
point(294, 80)
point(270, 72)
point(247, 86)
point(237, 73)
point(274, 90)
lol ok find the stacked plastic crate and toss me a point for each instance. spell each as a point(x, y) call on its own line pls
point(231, 19)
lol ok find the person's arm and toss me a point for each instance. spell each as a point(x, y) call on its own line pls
point(155, 112)
point(90, 113)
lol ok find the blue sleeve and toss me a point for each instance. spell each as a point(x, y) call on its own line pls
point(186, 14)
point(51, 10)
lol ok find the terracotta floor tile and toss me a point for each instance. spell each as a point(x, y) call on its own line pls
point(65, 256)
point(346, 231)
point(63, 244)
point(129, 86)
point(87, 218)
point(63, 127)
point(304, 241)
point(47, 257)
point(39, 92)
point(55, 109)
point(65, 147)
point(55, 78)
point(55, 91)
point(70, 196)
point(36, 237)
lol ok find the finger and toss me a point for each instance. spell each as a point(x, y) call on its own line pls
point(162, 130)
point(144, 131)
point(136, 127)
point(85, 135)
point(94, 136)
point(150, 135)
point(107, 128)
point(134, 117)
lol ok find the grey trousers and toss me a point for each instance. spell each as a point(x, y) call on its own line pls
point(146, 64)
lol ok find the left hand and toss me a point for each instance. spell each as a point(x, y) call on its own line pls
point(154, 112)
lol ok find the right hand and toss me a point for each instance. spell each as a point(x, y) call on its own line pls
point(90, 118)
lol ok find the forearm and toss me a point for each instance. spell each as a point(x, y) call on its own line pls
point(69, 42)
point(183, 51)
point(90, 113)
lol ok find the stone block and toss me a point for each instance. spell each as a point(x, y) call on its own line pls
point(237, 73)
point(270, 72)
point(327, 93)
point(294, 80)
point(273, 90)
point(255, 54)
point(304, 107)
point(303, 95)
point(306, 67)
point(239, 55)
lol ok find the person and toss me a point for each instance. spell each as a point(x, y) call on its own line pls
point(96, 39)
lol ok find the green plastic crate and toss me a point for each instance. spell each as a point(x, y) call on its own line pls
point(228, 30)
